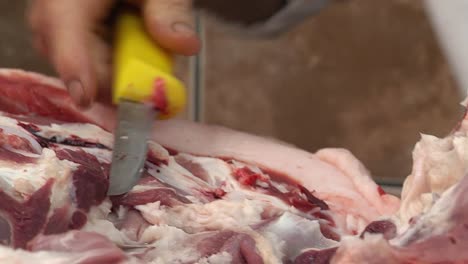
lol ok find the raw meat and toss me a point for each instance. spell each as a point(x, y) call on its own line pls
point(210, 194)
point(433, 218)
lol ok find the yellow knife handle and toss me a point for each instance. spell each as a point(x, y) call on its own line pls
point(143, 71)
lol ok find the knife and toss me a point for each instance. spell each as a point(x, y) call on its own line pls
point(144, 88)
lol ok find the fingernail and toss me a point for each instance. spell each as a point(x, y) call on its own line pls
point(75, 89)
point(183, 28)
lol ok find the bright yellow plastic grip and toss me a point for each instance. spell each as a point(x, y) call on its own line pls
point(139, 64)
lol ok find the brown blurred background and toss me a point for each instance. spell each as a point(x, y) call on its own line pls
point(363, 75)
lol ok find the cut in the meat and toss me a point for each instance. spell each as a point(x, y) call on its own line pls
point(209, 194)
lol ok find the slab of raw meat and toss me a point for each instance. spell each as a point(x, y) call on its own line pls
point(208, 194)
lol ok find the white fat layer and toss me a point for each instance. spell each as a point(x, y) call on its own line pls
point(148, 187)
point(351, 222)
point(98, 222)
point(164, 239)
point(9, 255)
point(288, 235)
point(20, 256)
point(220, 258)
point(280, 186)
point(356, 223)
point(294, 234)
point(194, 218)
point(158, 151)
point(22, 180)
point(10, 122)
point(437, 221)
point(439, 163)
point(10, 126)
point(89, 132)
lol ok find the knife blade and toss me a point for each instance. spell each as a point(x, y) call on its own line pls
point(130, 147)
point(144, 89)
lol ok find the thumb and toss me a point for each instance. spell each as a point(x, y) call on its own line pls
point(171, 24)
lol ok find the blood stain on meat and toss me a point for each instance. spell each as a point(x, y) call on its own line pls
point(381, 191)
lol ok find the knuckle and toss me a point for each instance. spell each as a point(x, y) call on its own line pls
point(158, 12)
point(180, 5)
point(171, 6)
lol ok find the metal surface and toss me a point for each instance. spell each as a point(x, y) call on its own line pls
point(135, 121)
point(196, 93)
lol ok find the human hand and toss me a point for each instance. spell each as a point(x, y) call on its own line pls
point(71, 34)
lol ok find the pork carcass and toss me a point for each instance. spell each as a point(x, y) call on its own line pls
point(210, 194)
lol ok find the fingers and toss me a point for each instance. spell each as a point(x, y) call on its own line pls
point(171, 24)
point(64, 32)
